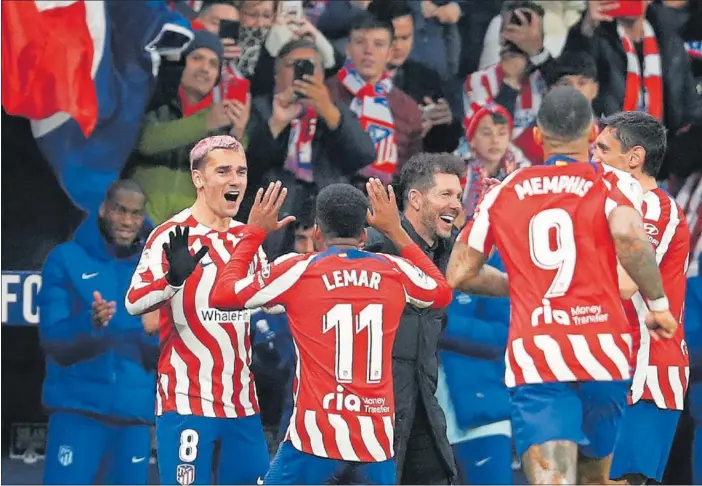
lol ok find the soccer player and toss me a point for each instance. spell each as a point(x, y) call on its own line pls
point(205, 391)
point(560, 229)
point(344, 307)
point(635, 142)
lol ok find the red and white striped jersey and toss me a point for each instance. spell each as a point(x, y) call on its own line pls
point(550, 225)
point(203, 368)
point(344, 308)
point(662, 368)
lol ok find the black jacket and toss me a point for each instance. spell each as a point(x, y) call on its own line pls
point(415, 360)
point(336, 156)
point(419, 81)
point(679, 98)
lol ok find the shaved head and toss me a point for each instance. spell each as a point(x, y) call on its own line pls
point(565, 115)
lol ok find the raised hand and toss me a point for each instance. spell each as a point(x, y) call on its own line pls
point(264, 212)
point(181, 262)
point(383, 215)
point(101, 310)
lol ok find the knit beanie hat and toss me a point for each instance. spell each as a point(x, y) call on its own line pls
point(206, 40)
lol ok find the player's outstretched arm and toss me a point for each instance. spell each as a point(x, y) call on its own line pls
point(233, 289)
point(468, 273)
point(153, 283)
point(638, 258)
point(425, 286)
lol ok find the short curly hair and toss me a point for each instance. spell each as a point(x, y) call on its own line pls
point(341, 211)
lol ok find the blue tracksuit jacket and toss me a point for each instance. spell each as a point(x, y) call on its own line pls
point(693, 337)
point(472, 355)
point(106, 372)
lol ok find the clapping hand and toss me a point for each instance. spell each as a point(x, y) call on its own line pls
point(181, 263)
point(102, 311)
point(383, 215)
point(264, 212)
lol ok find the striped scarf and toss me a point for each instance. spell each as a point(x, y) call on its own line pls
point(371, 105)
point(484, 85)
point(649, 97)
point(299, 159)
point(231, 83)
point(474, 180)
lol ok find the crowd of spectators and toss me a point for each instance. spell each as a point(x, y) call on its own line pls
point(321, 92)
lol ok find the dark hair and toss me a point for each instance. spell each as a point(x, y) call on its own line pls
point(389, 10)
point(499, 118)
point(418, 172)
point(122, 185)
point(294, 45)
point(341, 211)
point(368, 21)
point(564, 114)
point(570, 63)
point(639, 129)
point(512, 5)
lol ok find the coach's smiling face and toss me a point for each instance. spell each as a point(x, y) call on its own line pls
point(439, 205)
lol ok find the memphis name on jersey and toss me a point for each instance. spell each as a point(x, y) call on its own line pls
point(205, 355)
point(550, 223)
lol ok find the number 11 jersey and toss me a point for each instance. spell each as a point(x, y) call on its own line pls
point(344, 308)
point(550, 224)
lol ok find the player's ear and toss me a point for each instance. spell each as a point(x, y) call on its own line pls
point(362, 239)
point(101, 210)
point(197, 179)
point(637, 155)
point(538, 137)
point(593, 133)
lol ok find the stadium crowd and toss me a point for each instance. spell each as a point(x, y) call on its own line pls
point(437, 98)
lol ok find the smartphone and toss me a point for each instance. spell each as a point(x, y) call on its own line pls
point(229, 29)
point(291, 10)
point(238, 89)
point(302, 68)
point(627, 8)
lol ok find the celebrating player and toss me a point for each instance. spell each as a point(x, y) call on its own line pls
point(344, 307)
point(560, 228)
point(205, 390)
point(635, 142)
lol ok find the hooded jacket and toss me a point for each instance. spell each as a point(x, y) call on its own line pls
point(107, 373)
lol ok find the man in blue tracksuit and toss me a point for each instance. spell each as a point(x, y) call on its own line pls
point(693, 336)
point(475, 399)
point(100, 364)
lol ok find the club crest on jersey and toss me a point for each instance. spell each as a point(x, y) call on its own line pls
point(144, 261)
point(185, 474)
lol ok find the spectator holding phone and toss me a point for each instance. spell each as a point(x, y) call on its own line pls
point(161, 163)
point(515, 82)
point(300, 136)
point(641, 61)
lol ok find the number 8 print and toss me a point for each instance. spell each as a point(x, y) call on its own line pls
point(187, 452)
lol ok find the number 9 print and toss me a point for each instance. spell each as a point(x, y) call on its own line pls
point(187, 452)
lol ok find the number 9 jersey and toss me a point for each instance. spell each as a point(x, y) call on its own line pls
point(550, 225)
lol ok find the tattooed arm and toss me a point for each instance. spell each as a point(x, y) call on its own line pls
point(635, 252)
point(638, 258)
point(468, 273)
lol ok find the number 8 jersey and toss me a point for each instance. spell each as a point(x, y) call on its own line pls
point(550, 225)
point(344, 308)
